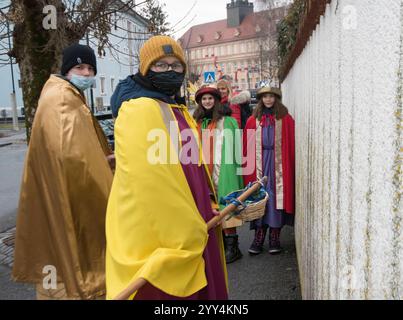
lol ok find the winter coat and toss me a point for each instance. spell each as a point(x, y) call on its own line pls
point(242, 99)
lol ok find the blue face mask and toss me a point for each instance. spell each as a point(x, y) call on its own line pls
point(82, 82)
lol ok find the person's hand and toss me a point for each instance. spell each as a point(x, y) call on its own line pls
point(216, 213)
point(112, 161)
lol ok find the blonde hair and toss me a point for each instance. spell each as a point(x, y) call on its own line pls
point(226, 84)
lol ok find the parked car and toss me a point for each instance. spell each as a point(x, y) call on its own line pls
point(107, 126)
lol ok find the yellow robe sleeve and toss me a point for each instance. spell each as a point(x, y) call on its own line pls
point(154, 229)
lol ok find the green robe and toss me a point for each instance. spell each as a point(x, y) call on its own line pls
point(228, 179)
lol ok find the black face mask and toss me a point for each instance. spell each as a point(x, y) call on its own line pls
point(168, 82)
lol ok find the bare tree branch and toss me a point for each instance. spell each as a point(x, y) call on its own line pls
point(186, 14)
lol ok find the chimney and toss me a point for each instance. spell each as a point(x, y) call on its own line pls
point(237, 10)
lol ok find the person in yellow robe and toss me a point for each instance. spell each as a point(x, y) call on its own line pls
point(60, 237)
point(160, 199)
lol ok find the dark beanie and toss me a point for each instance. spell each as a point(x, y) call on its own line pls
point(77, 54)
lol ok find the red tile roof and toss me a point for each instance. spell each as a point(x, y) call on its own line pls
point(247, 29)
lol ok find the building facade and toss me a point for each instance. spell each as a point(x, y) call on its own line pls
point(241, 47)
point(119, 59)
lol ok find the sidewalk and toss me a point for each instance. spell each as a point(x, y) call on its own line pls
point(12, 154)
point(7, 240)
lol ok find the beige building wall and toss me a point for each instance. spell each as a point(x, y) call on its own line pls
point(231, 56)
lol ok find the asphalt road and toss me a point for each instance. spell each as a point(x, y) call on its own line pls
point(11, 165)
point(265, 276)
point(11, 290)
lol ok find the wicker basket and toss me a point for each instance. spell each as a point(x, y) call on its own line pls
point(251, 211)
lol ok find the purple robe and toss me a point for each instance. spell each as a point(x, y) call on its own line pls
point(272, 218)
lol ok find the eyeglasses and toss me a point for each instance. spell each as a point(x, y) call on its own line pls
point(163, 66)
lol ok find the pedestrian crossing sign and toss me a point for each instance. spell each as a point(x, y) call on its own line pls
point(209, 77)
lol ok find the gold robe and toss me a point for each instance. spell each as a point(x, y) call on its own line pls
point(64, 193)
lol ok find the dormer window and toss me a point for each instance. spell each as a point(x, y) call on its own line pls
point(200, 38)
point(217, 35)
point(237, 32)
point(258, 29)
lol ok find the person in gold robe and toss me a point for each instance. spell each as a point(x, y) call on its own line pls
point(60, 238)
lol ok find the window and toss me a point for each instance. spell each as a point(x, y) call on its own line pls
point(112, 84)
point(116, 53)
point(102, 85)
point(115, 22)
point(129, 29)
point(99, 103)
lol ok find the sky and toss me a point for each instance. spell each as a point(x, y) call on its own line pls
point(202, 12)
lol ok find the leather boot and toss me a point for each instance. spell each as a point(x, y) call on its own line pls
point(232, 252)
point(257, 244)
point(274, 241)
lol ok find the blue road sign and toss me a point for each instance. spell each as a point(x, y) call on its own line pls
point(209, 77)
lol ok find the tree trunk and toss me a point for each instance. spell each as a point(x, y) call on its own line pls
point(36, 56)
point(35, 63)
point(38, 51)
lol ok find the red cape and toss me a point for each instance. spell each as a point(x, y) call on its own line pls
point(288, 158)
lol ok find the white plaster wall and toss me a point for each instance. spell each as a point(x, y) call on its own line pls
point(345, 93)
